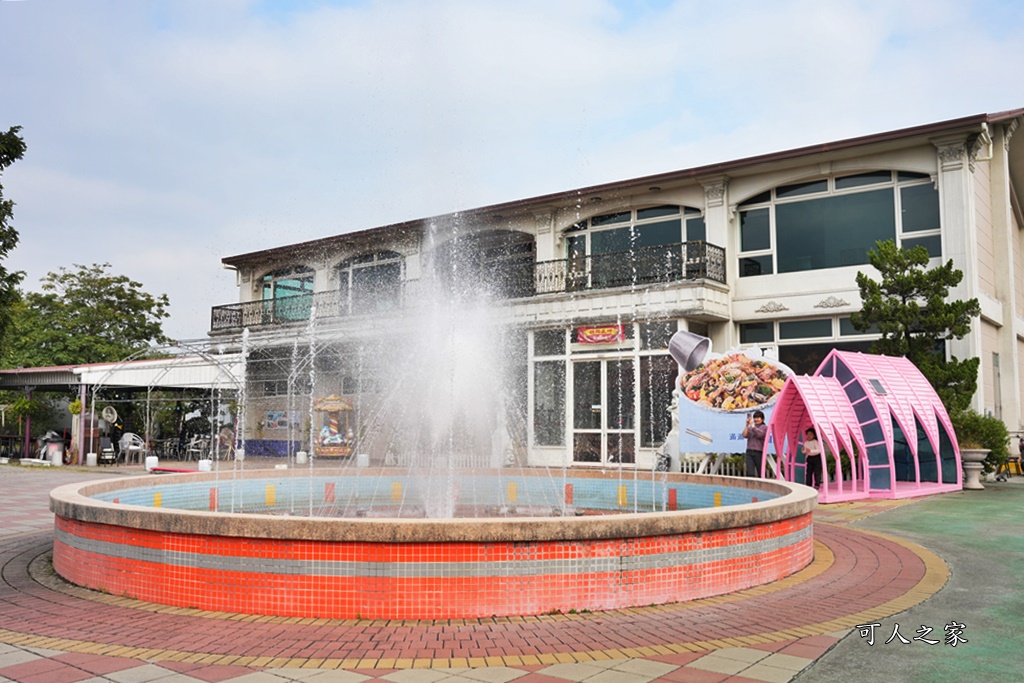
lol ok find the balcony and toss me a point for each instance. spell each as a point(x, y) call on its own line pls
point(508, 278)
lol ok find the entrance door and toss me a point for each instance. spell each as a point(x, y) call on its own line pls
point(603, 424)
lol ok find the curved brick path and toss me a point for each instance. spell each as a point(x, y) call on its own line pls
point(854, 573)
point(855, 577)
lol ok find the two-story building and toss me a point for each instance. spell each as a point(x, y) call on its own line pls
point(589, 284)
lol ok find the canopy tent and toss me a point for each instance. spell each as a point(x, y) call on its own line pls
point(878, 411)
point(179, 372)
point(193, 370)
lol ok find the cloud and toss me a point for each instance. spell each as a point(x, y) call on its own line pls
point(165, 136)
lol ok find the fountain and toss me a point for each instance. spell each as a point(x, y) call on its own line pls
point(443, 519)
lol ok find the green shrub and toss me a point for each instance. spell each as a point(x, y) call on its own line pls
point(974, 430)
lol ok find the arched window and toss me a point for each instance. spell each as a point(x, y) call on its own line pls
point(370, 282)
point(635, 246)
point(496, 263)
point(834, 222)
point(288, 293)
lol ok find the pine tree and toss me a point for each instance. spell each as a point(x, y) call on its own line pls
point(911, 309)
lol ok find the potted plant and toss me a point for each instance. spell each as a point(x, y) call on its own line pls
point(983, 444)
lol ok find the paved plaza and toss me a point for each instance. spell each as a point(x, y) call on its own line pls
point(946, 562)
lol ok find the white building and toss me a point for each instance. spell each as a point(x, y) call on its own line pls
point(759, 250)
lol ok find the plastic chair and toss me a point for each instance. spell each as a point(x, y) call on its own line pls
point(132, 447)
point(198, 447)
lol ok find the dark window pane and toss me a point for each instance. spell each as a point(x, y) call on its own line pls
point(621, 448)
point(586, 385)
point(758, 198)
point(689, 211)
point(755, 265)
point(343, 289)
point(920, 208)
point(873, 178)
point(549, 403)
point(655, 335)
point(549, 342)
point(933, 244)
point(696, 229)
point(606, 219)
point(832, 231)
point(657, 234)
point(586, 448)
point(655, 211)
point(803, 329)
point(755, 333)
point(576, 268)
point(910, 175)
point(620, 384)
point(755, 231)
point(797, 189)
point(576, 246)
point(846, 328)
point(610, 241)
point(376, 288)
point(804, 359)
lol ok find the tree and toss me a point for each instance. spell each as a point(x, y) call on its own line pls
point(86, 315)
point(12, 148)
point(911, 310)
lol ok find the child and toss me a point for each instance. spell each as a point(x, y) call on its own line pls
point(812, 450)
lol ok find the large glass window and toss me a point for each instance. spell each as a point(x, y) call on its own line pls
point(657, 379)
point(549, 403)
point(494, 263)
point(632, 247)
point(288, 293)
point(803, 344)
point(831, 232)
point(834, 222)
point(370, 283)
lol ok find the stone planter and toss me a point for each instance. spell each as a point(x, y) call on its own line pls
point(972, 460)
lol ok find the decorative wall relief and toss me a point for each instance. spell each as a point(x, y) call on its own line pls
point(772, 307)
point(832, 302)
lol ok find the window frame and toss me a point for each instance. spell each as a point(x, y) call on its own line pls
point(346, 270)
point(767, 258)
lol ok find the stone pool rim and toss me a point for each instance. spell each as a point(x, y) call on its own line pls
point(75, 501)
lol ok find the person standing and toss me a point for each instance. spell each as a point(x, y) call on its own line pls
point(812, 461)
point(754, 432)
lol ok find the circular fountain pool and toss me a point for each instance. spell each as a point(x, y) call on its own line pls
point(530, 543)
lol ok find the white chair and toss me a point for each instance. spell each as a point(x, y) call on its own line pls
point(132, 447)
point(198, 447)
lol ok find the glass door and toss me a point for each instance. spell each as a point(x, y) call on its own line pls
point(603, 414)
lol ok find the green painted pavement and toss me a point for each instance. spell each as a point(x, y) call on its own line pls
point(980, 534)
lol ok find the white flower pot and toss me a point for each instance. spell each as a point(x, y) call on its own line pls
point(972, 459)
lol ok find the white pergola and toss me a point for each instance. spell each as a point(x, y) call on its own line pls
point(187, 369)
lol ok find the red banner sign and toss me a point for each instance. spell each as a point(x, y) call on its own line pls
point(602, 334)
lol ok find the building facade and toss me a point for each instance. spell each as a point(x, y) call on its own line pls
point(589, 284)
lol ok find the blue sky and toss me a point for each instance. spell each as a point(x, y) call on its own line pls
point(163, 136)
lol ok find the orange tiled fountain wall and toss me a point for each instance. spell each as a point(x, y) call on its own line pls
point(428, 580)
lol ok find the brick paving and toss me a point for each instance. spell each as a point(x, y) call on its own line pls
point(53, 631)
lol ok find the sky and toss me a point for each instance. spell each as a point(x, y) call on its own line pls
point(165, 135)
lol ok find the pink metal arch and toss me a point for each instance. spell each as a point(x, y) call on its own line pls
point(896, 392)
